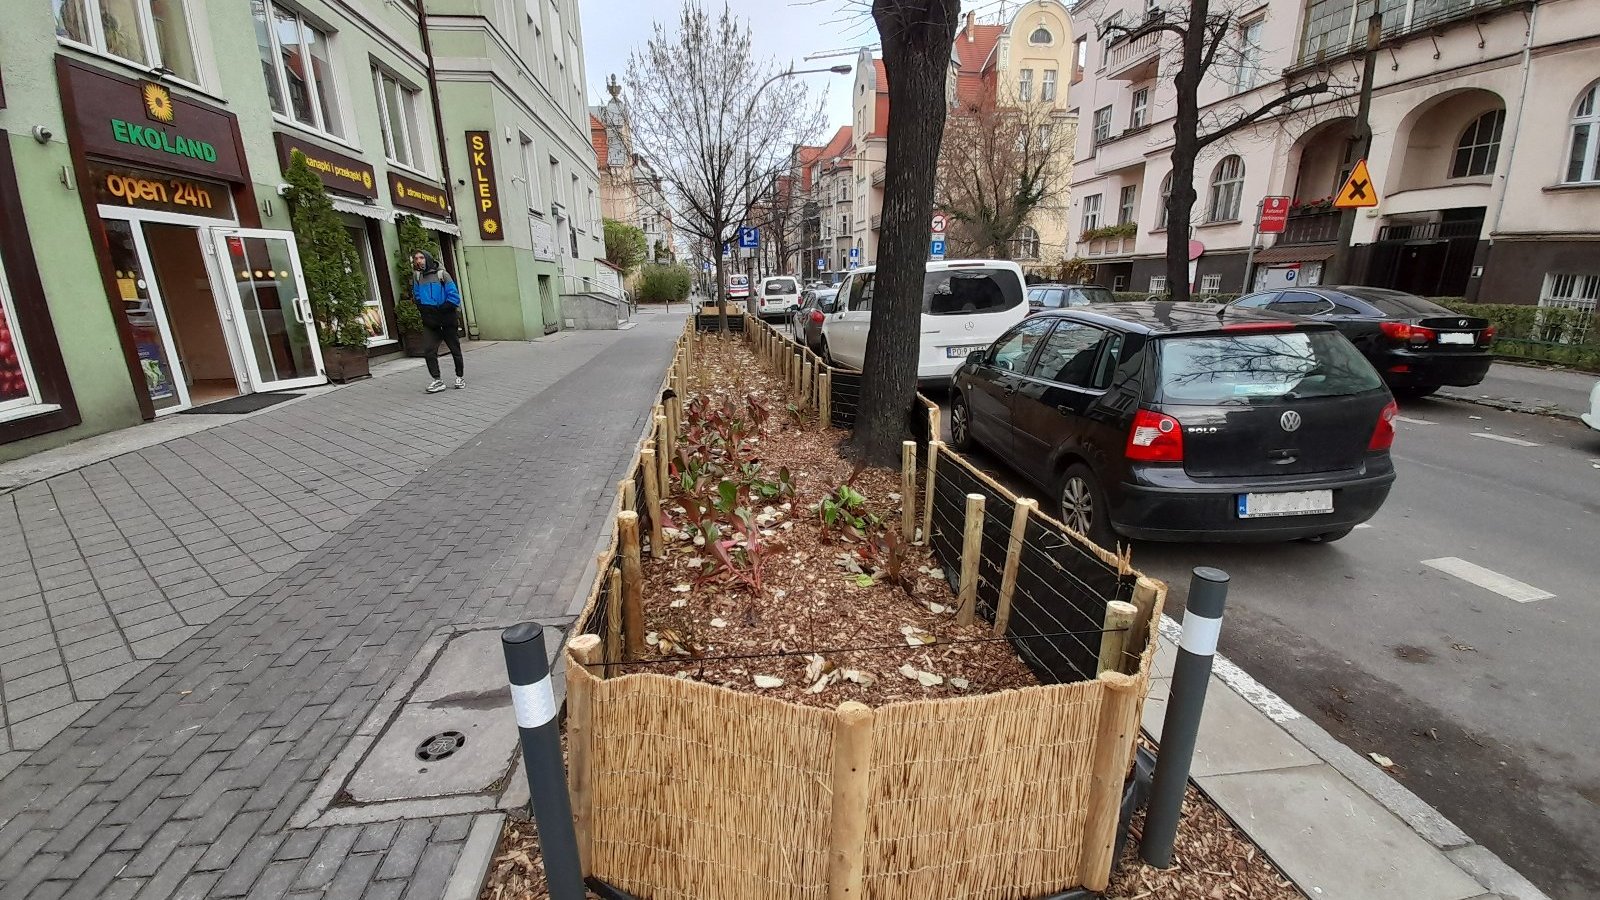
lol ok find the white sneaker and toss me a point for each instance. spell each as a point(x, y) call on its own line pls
point(436, 386)
point(460, 382)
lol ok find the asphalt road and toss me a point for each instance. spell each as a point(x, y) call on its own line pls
point(1489, 707)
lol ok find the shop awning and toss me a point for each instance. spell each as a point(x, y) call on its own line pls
point(432, 224)
point(357, 208)
point(1295, 253)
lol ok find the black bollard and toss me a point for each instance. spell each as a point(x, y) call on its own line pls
point(535, 705)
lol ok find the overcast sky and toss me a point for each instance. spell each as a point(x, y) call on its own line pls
point(788, 30)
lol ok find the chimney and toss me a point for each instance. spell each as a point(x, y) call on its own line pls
point(971, 17)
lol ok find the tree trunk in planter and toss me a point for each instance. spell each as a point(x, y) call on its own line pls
point(346, 364)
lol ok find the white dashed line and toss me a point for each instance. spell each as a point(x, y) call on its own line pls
point(1410, 421)
point(1504, 440)
point(1489, 580)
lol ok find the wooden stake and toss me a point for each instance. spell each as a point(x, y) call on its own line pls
point(661, 464)
point(971, 549)
point(614, 618)
point(1008, 577)
point(908, 491)
point(1148, 597)
point(585, 649)
point(1119, 617)
point(935, 447)
point(847, 831)
point(933, 423)
point(808, 387)
point(652, 500)
point(625, 489)
point(824, 400)
point(1113, 747)
point(632, 584)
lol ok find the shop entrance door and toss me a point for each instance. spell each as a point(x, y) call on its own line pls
point(267, 291)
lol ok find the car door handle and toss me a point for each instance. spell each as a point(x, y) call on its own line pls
point(1064, 409)
point(1009, 389)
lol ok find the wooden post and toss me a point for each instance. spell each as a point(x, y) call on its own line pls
point(613, 618)
point(585, 649)
point(1119, 617)
point(935, 447)
point(625, 489)
point(1008, 576)
point(933, 423)
point(908, 491)
point(632, 585)
point(824, 400)
point(652, 500)
point(661, 461)
point(971, 548)
point(847, 831)
point(1149, 596)
point(1113, 747)
point(808, 387)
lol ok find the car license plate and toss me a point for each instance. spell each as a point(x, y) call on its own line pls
point(962, 352)
point(1287, 503)
point(1457, 337)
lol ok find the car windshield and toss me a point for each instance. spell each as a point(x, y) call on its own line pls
point(959, 292)
point(1082, 296)
point(781, 286)
point(1280, 365)
point(1396, 303)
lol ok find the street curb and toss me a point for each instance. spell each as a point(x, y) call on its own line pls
point(1511, 406)
point(1478, 862)
point(477, 854)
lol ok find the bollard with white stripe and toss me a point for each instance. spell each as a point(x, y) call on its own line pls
point(535, 704)
point(1202, 622)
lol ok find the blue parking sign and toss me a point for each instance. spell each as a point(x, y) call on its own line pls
point(749, 238)
point(936, 248)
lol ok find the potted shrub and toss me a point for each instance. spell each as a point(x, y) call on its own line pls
point(408, 317)
point(335, 283)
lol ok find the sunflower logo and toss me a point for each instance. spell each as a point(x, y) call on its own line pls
point(366, 180)
point(158, 103)
point(490, 226)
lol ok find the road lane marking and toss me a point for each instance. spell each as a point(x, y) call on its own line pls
point(1504, 440)
point(1410, 421)
point(1504, 585)
point(1363, 525)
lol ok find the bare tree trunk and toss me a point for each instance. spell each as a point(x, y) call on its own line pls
point(917, 36)
point(1185, 146)
point(720, 290)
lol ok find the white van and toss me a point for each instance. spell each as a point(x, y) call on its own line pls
point(776, 297)
point(738, 287)
point(966, 305)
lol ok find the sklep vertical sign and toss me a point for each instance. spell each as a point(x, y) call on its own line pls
point(480, 158)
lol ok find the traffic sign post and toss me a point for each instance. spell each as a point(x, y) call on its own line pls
point(936, 247)
point(1272, 216)
point(749, 238)
point(1358, 192)
point(940, 223)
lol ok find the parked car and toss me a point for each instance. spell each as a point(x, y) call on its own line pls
point(805, 323)
point(966, 304)
point(1417, 345)
point(775, 297)
point(738, 287)
point(1183, 421)
point(1057, 296)
point(1592, 417)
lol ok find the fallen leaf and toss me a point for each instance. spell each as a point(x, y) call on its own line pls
point(767, 681)
point(681, 588)
point(928, 679)
point(858, 676)
point(864, 581)
point(1382, 760)
point(936, 608)
point(652, 638)
point(1464, 648)
point(719, 623)
point(960, 684)
point(936, 574)
point(679, 603)
point(908, 671)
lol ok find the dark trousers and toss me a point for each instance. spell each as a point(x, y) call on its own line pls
point(440, 323)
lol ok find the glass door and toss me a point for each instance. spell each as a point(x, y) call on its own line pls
point(264, 282)
point(140, 299)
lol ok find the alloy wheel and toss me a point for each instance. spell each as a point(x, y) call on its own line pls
point(958, 421)
point(1077, 504)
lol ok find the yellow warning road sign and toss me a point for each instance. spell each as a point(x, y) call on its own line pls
point(1358, 191)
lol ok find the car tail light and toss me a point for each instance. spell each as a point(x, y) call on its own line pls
point(1487, 337)
point(1383, 433)
point(1156, 437)
point(816, 317)
point(1405, 331)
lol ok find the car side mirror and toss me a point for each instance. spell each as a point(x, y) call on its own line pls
point(976, 357)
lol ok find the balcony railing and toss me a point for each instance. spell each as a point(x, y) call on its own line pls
point(1134, 59)
point(878, 176)
point(1335, 29)
point(877, 222)
point(1311, 227)
point(1110, 246)
point(1430, 231)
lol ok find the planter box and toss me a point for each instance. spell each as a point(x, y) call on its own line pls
point(346, 364)
point(413, 342)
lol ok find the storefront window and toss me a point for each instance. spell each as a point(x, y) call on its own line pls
point(299, 72)
point(144, 319)
point(18, 390)
point(372, 314)
point(152, 33)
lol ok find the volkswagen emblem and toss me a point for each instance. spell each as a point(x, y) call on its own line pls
point(1290, 421)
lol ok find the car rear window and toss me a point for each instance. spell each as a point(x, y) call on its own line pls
point(960, 292)
point(739, 280)
point(1241, 368)
point(781, 286)
point(1397, 303)
point(1082, 296)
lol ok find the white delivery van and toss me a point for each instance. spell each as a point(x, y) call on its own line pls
point(738, 287)
point(776, 297)
point(966, 305)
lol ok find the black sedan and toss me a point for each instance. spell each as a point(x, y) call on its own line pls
point(805, 323)
point(1169, 421)
point(1417, 345)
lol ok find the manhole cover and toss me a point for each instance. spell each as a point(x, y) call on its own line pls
point(440, 746)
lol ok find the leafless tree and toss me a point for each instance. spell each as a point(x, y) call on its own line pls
point(1002, 163)
point(1197, 37)
point(716, 122)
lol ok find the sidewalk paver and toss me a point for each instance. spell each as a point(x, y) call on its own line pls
point(416, 512)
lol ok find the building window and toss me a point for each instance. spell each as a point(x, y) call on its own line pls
point(1091, 212)
point(1045, 133)
point(1027, 243)
point(1102, 124)
point(1585, 144)
point(1248, 72)
point(1047, 88)
point(18, 388)
point(151, 33)
point(1126, 203)
point(844, 191)
point(1211, 284)
point(1579, 293)
point(1479, 146)
point(1109, 34)
point(298, 67)
point(1227, 188)
point(530, 172)
point(1041, 36)
point(573, 209)
point(397, 119)
point(372, 312)
point(844, 224)
point(1025, 85)
point(1166, 200)
point(1139, 116)
point(555, 185)
point(1080, 58)
point(1158, 284)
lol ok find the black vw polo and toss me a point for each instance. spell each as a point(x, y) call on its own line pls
point(1169, 421)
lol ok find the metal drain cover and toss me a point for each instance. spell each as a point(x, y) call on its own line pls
point(440, 746)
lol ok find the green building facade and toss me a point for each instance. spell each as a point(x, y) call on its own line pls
point(146, 264)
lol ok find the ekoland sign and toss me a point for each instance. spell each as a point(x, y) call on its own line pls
point(144, 123)
point(157, 139)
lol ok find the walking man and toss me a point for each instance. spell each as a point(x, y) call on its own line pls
point(439, 301)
